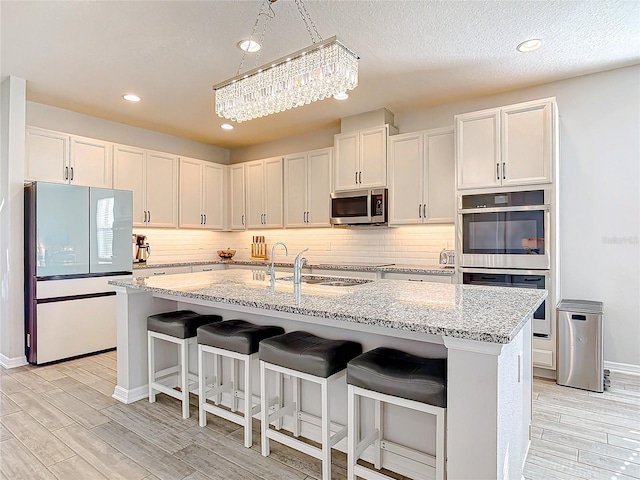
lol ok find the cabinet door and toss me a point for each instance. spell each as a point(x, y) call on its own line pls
point(373, 158)
point(295, 190)
point(478, 149)
point(90, 162)
point(255, 194)
point(406, 164)
point(213, 195)
point(190, 199)
point(319, 188)
point(237, 197)
point(162, 190)
point(129, 174)
point(46, 156)
point(273, 193)
point(527, 143)
point(346, 164)
point(440, 177)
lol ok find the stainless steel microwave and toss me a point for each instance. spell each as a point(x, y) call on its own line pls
point(359, 207)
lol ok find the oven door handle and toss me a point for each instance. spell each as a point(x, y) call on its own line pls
point(526, 208)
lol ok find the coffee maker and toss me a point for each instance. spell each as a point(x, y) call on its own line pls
point(141, 249)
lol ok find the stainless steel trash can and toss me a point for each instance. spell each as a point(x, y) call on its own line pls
point(579, 347)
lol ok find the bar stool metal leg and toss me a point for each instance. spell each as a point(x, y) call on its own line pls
point(202, 415)
point(184, 375)
point(296, 399)
point(353, 424)
point(248, 404)
point(378, 424)
point(326, 431)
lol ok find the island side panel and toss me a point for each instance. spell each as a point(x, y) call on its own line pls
point(133, 308)
point(488, 407)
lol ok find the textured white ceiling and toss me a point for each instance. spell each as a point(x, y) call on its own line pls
point(84, 55)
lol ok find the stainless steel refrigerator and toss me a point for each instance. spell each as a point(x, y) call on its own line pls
point(76, 239)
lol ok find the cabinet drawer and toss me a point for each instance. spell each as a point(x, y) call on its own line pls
point(207, 268)
point(416, 277)
point(150, 272)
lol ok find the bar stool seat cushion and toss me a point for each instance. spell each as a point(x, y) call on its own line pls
point(236, 335)
point(401, 374)
point(179, 324)
point(308, 353)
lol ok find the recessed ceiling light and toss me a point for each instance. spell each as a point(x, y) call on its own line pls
point(131, 97)
point(341, 96)
point(249, 45)
point(226, 126)
point(529, 45)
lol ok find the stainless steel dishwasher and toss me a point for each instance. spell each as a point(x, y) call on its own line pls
point(580, 361)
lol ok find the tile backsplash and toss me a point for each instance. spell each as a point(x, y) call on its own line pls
point(416, 245)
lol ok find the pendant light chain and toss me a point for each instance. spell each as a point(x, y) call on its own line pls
point(269, 14)
point(306, 18)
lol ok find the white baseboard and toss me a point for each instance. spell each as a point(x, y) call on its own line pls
point(7, 362)
point(623, 367)
point(130, 396)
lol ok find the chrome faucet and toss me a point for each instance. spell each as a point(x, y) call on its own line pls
point(272, 269)
point(297, 267)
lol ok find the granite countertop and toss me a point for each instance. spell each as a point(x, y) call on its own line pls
point(424, 270)
point(487, 314)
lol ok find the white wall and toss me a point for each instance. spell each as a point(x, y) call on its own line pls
point(12, 134)
point(53, 118)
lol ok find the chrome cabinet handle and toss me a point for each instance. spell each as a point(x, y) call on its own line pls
point(504, 170)
point(149, 212)
point(360, 178)
point(207, 269)
point(497, 171)
point(159, 273)
point(66, 173)
point(424, 210)
point(356, 177)
point(145, 217)
point(200, 219)
point(71, 173)
point(420, 210)
point(205, 218)
point(243, 220)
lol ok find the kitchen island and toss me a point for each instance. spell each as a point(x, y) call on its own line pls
point(484, 332)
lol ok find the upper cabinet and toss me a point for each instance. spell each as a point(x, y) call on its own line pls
point(307, 189)
point(153, 178)
point(508, 146)
point(237, 214)
point(61, 158)
point(201, 199)
point(361, 159)
point(263, 183)
point(422, 177)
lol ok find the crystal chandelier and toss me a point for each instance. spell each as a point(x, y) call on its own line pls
point(321, 70)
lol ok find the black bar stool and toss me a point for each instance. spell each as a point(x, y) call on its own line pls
point(179, 328)
point(394, 377)
point(308, 357)
point(237, 340)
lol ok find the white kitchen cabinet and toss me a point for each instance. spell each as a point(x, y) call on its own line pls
point(201, 199)
point(307, 189)
point(422, 177)
point(361, 159)
point(507, 146)
point(62, 158)
point(208, 268)
point(264, 193)
point(418, 277)
point(237, 197)
point(153, 178)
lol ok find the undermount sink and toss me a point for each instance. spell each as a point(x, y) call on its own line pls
point(329, 281)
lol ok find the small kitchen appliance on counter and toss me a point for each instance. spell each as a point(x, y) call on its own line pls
point(447, 258)
point(141, 250)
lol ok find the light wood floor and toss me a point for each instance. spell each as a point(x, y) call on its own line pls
point(59, 421)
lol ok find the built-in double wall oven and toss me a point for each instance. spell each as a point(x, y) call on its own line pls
point(504, 240)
